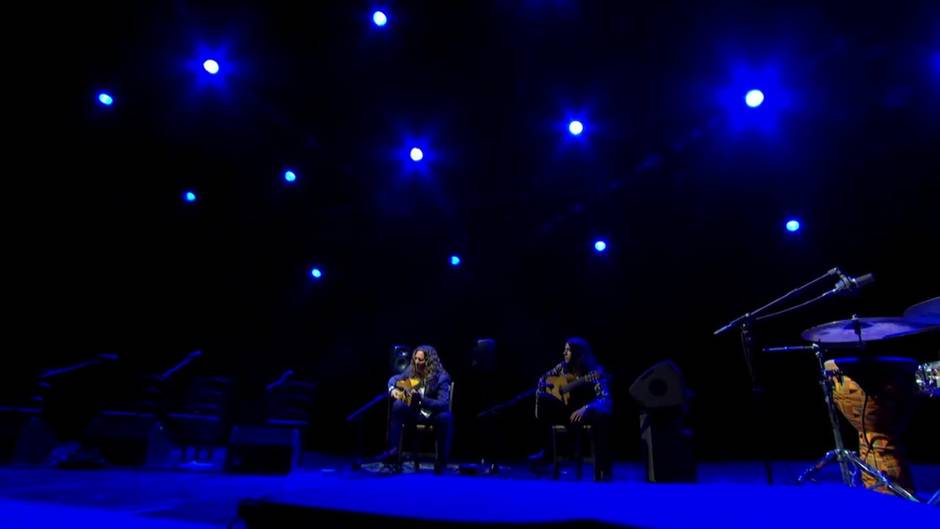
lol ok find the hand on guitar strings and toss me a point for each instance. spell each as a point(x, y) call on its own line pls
point(578, 414)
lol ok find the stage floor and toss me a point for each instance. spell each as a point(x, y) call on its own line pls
point(728, 495)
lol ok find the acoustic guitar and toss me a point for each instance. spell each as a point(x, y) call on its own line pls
point(409, 387)
point(561, 386)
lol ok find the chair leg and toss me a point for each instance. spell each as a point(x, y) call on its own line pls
point(438, 469)
point(415, 448)
point(578, 453)
point(401, 446)
point(597, 470)
point(556, 464)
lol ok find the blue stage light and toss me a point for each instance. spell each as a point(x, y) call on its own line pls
point(290, 176)
point(211, 66)
point(189, 196)
point(455, 260)
point(793, 225)
point(379, 18)
point(416, 154)
point(105, 99)
point(575, 128)
point(600, 246)
point(315, 273)
point(754, 98)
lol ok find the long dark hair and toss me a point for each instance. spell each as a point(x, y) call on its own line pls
point(582, 355)
point(431, 360)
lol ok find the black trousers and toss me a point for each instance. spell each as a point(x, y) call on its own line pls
point(552, 411)
point(404, 416)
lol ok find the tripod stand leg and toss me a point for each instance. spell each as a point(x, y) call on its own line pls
point(850, 459)
point(880, 477)
point(935, 499)
point(810, 473)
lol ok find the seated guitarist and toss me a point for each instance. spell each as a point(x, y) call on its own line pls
point(573, 393)
point(421, 393)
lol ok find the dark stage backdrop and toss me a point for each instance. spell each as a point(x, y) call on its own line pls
point(689, 187)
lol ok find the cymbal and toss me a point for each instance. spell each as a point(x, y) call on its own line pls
point(928, 311)
point(871, 329)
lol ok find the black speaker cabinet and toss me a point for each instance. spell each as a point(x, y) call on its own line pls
point(667, 442)
point(263, 450)
point(668, 447)
point(25, 437)
point(129, 438)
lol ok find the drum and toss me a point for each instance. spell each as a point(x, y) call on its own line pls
point(927, 379)
point(877, 397)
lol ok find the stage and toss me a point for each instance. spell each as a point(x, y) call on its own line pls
point(327, 489)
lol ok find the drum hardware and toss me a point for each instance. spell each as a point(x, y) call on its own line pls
point(857, 332)
point(850, 464)
point(927, 378)
point(854, 333)
point(745, 324)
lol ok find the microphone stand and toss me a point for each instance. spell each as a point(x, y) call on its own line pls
point(507, 404)
point(491, 412)
point(157, 387)
point(360, 434)
point(753, 315)
point(97, 360)
point(744, 324)
point(355, 415)
point(183, 363)
point(280, 381)
point(43, 383)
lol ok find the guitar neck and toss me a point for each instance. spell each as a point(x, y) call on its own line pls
point(590, 377)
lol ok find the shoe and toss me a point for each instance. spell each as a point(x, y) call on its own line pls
point(539, 458)
point(539, 462)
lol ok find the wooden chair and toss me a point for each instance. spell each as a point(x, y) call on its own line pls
point(420, 429)
point(578, 455)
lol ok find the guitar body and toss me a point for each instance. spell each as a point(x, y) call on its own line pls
point(554, 386)
point(561, 386)
point(409, 386)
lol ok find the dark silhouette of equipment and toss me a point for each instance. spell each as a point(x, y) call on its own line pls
point(667, 440)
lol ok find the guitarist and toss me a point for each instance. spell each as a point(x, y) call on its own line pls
point(421, 393)
point(585, 399)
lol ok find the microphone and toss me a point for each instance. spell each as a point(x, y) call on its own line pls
point(851, 284)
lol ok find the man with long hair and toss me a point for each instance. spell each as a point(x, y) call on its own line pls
point(421, 393)
point(583, 385)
